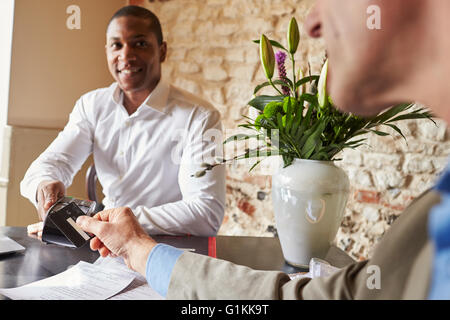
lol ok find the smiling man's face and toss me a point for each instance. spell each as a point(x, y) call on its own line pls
point(369, 69)
point(134, 54)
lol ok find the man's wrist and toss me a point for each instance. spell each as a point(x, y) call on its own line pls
point(160, 264)
point(138, 252)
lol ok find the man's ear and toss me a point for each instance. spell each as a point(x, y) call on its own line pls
point(163, 52)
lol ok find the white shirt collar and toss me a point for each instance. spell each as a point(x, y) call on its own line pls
point(156, 100)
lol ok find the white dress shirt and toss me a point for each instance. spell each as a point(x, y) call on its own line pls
point(145, 160)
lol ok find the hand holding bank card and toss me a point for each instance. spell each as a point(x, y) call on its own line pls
point(65, 220)
point(60, 223)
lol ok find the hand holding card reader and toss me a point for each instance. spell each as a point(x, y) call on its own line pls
point(60, 222)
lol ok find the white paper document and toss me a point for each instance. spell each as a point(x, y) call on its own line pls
point(8, 245)
point(317, 268)
point(137, 290)
point(84, 281)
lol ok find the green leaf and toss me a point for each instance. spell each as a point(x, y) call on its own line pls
point(310, 98)
point(353, 142)
point(241, 137)
point(289, 101)
point(391, 112)
point(306, 134)
point(273, 43)
point(253, 166)
point(396, 129)
point(313, 139)
point(319, 146)
point(380, 133)
point(304, 124)
point(305, 80)
point(280, 122)
point(260, 102)
point(250, 126)
point(410, 116)
point(288, 107)
point(287, 160)
point(254, 153)
point(298, 116)
point(268, 84)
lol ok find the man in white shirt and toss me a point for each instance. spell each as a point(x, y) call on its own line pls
point(146, 136)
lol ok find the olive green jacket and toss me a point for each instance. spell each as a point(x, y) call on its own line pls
point(399, 269)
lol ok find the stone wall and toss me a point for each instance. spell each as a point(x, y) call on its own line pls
point(211, 54)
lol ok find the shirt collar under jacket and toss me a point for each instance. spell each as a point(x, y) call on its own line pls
point(443, 184)
point(157, 99)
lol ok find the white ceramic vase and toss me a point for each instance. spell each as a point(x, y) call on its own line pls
point(309, 199)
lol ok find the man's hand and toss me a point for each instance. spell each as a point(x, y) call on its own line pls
point(48, 192)
point(118, 232)
point(36, 230)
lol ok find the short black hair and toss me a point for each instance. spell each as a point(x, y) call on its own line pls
point(140, 12)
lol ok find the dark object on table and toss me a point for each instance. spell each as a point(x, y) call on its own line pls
point(59, 224)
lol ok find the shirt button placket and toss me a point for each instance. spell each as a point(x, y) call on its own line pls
point(120, 152)
point(123, 151)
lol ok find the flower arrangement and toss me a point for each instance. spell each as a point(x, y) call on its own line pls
point(300, 120)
